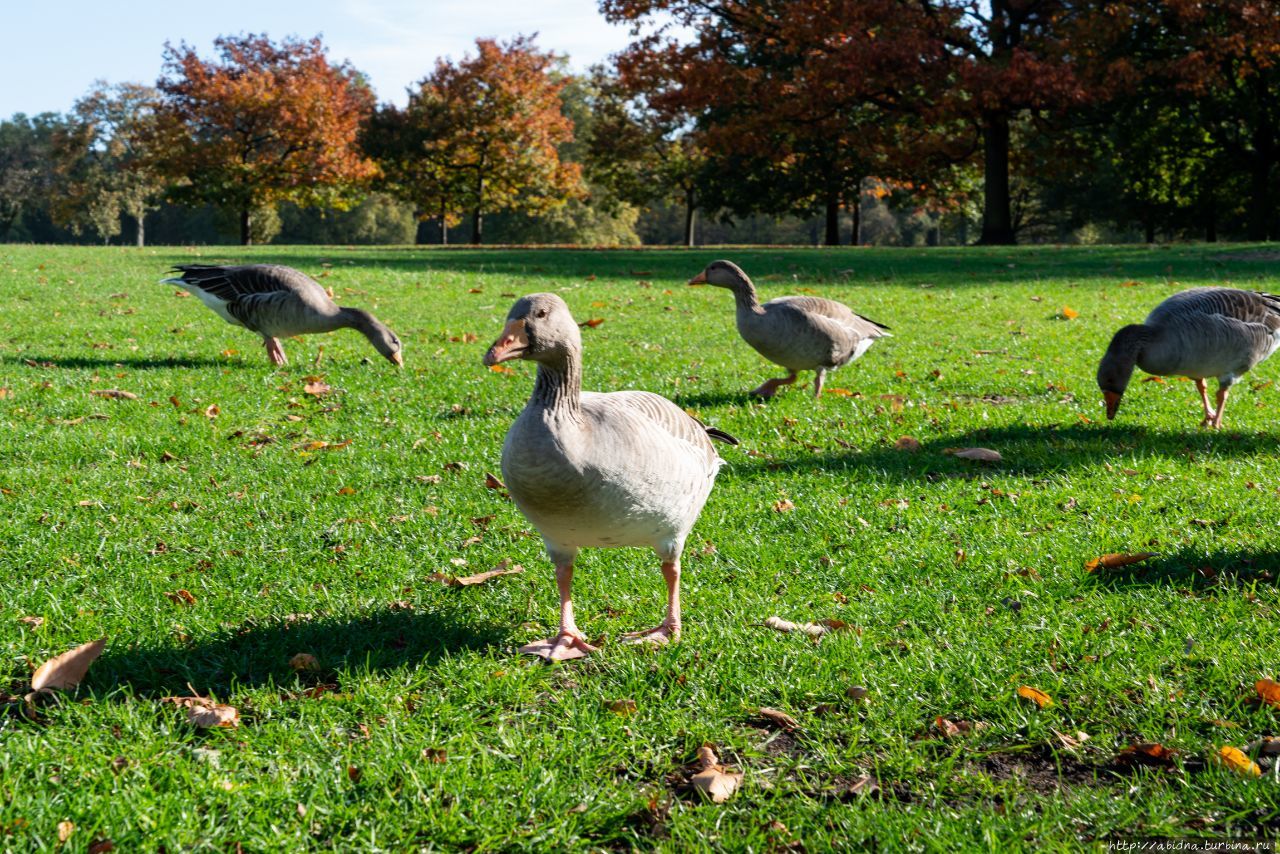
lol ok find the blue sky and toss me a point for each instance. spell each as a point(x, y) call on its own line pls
point(54, 50)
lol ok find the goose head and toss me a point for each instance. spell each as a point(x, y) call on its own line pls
point(539, 328)
point(386, 343)
point(1116, 367)
point(722, 274)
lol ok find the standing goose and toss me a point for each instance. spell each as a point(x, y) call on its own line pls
point(626, 468)
point(798, 333)
point(1198, 333)
point(279, 302)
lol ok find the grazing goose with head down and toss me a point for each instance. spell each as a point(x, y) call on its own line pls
point(798, 333)
point(627, 468)
point(1198, 333)
point(279, 302)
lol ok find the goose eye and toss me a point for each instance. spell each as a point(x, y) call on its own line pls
point(542, 312)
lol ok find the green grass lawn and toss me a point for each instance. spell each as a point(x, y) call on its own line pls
point(961, 581)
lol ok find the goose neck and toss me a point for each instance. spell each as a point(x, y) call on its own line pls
point(558, 386)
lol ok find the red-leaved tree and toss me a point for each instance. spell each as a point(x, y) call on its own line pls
point(261, 124)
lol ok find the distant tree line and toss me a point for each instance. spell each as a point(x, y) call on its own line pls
point(799, 121)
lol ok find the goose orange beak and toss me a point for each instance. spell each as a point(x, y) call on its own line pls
point(397, 359)
point(511, 344)
point(700, 279)
point(1113, 403)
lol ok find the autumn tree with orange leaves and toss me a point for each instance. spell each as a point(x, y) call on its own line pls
point(482, 136)
point(797, 102)
point(263, 123)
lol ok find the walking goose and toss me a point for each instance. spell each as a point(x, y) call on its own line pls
point(279, 302)
point(798, 333)
point(626, 468)
point(1198, 333)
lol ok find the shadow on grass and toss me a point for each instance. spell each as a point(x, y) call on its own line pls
point(773, 267)
point(1027, 449)
point(253, 655)
point(1197, 570)
point(95, 363)
point(714, 398)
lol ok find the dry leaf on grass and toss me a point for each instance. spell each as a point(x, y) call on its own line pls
point(205, 713)
point(114, 393)
point(856, 692)
point(504, 567)
point(812, 629)
point(1116, 559)
point(1234, 759)
point(316, 388)
point(65, 829)
point(592, 323)
point(783, 505)
point(1069, 313)
point(1035, 695)
point(907, 443)
point(778, 717)
point(304, 661)
point(985, 455)
point(502, 369)
point(621, 707)
point(950, 729)
point(712, 780)
point(1268, 691)
point(180, 597)
point(839, 392)
point(1149, 754)
point(1070, 742)
point(347, 490)
point(33, 622)
point(63, 672)
point(491, 482)
point(435, 755)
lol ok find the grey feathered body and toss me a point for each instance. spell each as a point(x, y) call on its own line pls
point(626, 468)
point(273, 301)
point(806, 333)
point(1211, 332)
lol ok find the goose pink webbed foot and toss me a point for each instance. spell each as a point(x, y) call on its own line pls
point(276, 352)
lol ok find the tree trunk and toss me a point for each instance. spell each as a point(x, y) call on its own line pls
point(140, 240)
point(855, 233)
point(246, 234)
point(444, 231)
point(690, 217)
point(477, 219)
point(832, 236)
point(1260, 209)
point(997, 217)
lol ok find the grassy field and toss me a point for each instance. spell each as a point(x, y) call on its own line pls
point(422, 728)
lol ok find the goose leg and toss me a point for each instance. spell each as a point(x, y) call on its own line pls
point(770, 387)
point(568, 643)
point(669, 629)
point(1222, 404)
point(275, 351)
point(817, 383)
point(1204, 399)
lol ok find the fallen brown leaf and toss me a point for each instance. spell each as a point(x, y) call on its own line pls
point(907, 443)
point(592, 323)
point(950, 729)
point(839, 392)
point(812, 629)
point(114, 393)
point(504, 567)
point(856, 692)
point(783, 505)
point(205, 713)
point(1116, 559)
point(1069, 313)
point(1035, 695)
point(778, 717)
point(347, 490)
point(1150, 754)
point(65, 829)
point(65, 671)
point(621, 707)
point(1234, 759)
point(33, 622)
point(316, 388)
point(180, 597)
point(492, 482)
point(985, 455)
point(1268, 691)
point(712, 780)
point(435, 755)
point(304, 661)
